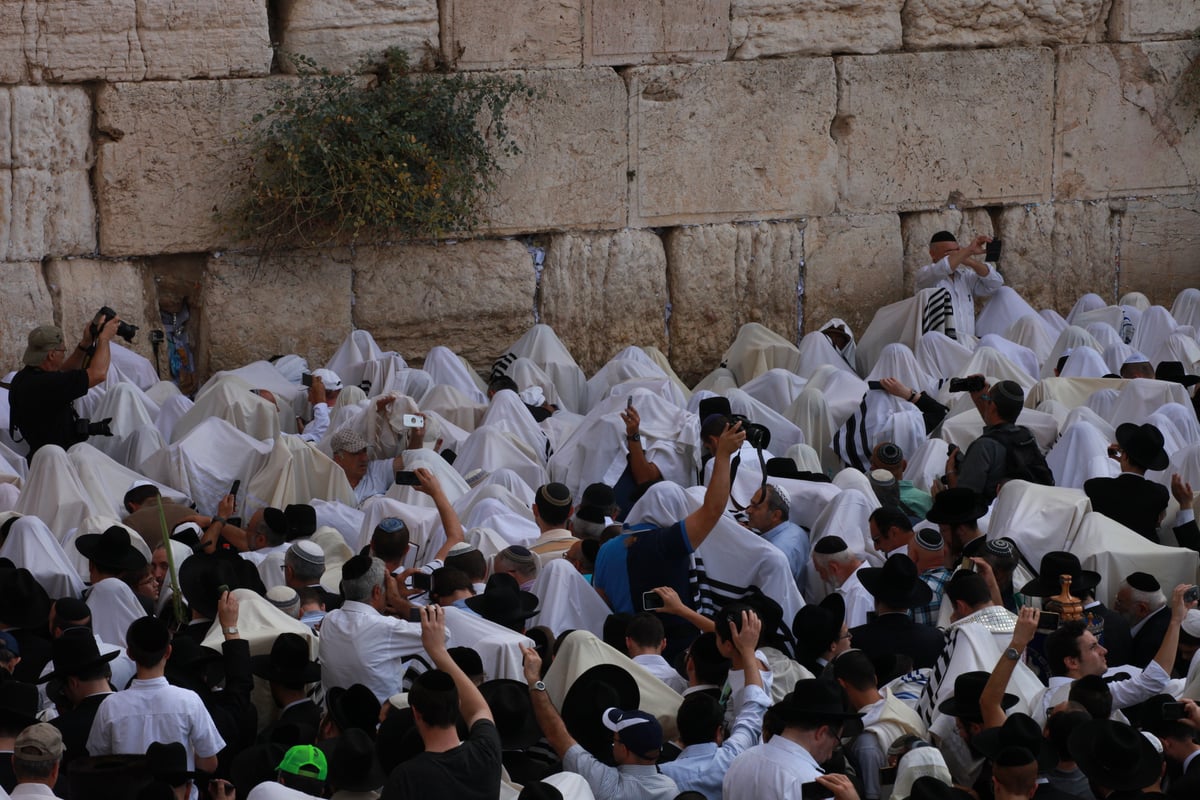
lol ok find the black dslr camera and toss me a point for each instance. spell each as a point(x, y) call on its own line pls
point(85, 428)
point(757, 436)
point(124, 329)
point(971, 384)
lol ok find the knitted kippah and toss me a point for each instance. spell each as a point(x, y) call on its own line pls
point(890, 454)
point(930, 539)
point(554, 494)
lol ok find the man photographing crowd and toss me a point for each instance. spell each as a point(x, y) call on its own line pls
point(43, 391)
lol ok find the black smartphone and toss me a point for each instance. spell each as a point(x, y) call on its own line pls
point(234, 521)
point(224, 587)
point(1173, 711)
point(814, 791)
point(992, 254)
point(651, 600)
point(887, 776)
point(414, 615)
point(1048, 622)
point(422, 581)
point(1192, 595)
point(233, 490)
point(406, 478)
point(306, 379)
point(876, 385)
point(629, 401)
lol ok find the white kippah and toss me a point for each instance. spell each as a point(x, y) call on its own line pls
point(308, 551)
point(1191, 623)
point(283, 597)
point(1135, 358)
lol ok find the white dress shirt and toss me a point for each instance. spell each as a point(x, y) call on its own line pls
point(1131, 691)
point(657, 666)
point(859, 601)
point(702, 767)
point(378, 478)
point(964, 286)
point(360, 645)
point(315, 429)
point(154, 711)
point(771, 771)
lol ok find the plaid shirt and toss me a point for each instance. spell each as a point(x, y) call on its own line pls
point(936, 579)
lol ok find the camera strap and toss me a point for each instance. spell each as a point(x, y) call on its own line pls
point(737, 460)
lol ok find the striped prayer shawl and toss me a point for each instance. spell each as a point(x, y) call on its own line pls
point(938, 314)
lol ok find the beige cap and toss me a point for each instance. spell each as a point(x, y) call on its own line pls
point(43, 340)
point(40, 742)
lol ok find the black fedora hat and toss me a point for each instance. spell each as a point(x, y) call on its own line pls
point(353, 766)
point(786, 468)
point(111, 549)
point(1018, 730)
point(814, 700)
point(1055, 564)
point(896, 584)
point(202, 575)
point(23, 601)
point(1143, 444)
point(968, 687)
point(953, 506)
point(820, 623)
point(927, 787)
point(167, 761)
point(717, 404)
point(295, 521)
point(512, 712)
point(75, 652)
point(1173, 371)
point(18, 703)
point(355, 707)
point(1114, 755)
point(288, 663)
point(503, 602)
point(599, 688)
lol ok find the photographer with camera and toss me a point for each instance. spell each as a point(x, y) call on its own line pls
point(42, 393)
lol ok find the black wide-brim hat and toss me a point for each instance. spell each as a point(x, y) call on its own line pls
point(1173, 371)
point(168, 761)
point(75, 652)
point(288, 662)
point(355, 707)
point(353, 766)
point(1143, 444)
point(512, 711)
point(1055, 564)
point(896, 584)
point(816, 701)
point(111, 549)
point(599, 688)
point(23, 601)
point(1114, 755)
point(18, 703)
point(1018, 730)
point(968, 688)
point(295, 521)
point(202, 575)
point(503, 601)
point(955, 506)
point(821, 622)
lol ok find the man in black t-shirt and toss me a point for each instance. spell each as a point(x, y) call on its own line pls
point(467, 770)
point(42, 393)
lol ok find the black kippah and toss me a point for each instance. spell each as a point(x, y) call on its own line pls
point(1013, 757)
point(1143, 582)
point(356, 567)
point(942, 236)
point(830, 545)
point(554, 494)
point(71, 609)
point(890, 454)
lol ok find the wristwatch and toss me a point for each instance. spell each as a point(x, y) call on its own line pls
point(1012, 654)
point(538, 686)
point(633, 437)
point(231, 630)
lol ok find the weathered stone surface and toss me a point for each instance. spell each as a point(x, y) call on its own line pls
point(916, 228)
point(620, 32)
point(736, 140)
point(1160, 247)
point(586, 276)
point(27, 304)
point(493, 34)
point(1121, 128)
point(1052, 253)
point(1000, 23)
point(762, 28)
point(298, 303)
point(45, 153)
point(171, 163)
point(570, 172)
point(853, 265)
point(721, 277)
point(339, 35)
point(475, 297)
point(12, 49)
point(81, 286)
point(929, 129)
point(1135, 20)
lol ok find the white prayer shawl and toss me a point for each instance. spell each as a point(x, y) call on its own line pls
point(597, 450)
point(447, 369)
point(1186, 462)
point(784, 433)
point(568, 601)
point(451, 404)
point(927, 463)
point(1142, 397)
point(127, 365)
point(10, 495)
point(897, 360)
point(452, 483)
point(570, 785)
point(1186, 308)
point(503, 484)
point(963, 428)
point(1032, 331)
point(1085, 414)
point(345, 519)
point(880, 417)
point(661, 385)
point(1108, 547)
point(1109, 316)
point(811, 414)
point(1169, 424)
point(508, 414)
point(114, 607)
point(941, 357)
point(749, 475)
point(425, 533)
point(490, 449)
point(757, 349)
point(1135, 299)
point(292, 398)
point(54, 493)
point(12, 463)
point(292, 367)
point(776, 388)
point(106, 481)
point(439, 429)
point(1084, 362)
point(499, 648)
point(1105, 334)
point(1001, 310)
point(180, 552)
point(205, 462)
point(905, 322)
point(1055, 323)
point(515, 528)
point(131, 450)
point(582, 650)
point(160, 392)
point(919, 763)
point(847, 515)
point(1071, 338)
point(719, 381)
point(228, 397)
point(1103, 401)
point(1179, 346)
point(1072, 392)
point(1086, 302)
point(541, 346)
point(488, 542)
point(1115, 355)
point(385, 432)
point(1153, 329)
point(817, 351)
point(390, 375)
point(129, 408)
point(808, 499)
point(630, 363)
point(1024, 358)
point(996, 367)
point(294, 472)
point(1079, 455)
point(31, 544)
point(850, 351)
point(170, 412)
point(352, 355)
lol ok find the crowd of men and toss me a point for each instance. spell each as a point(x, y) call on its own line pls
point(950, 558)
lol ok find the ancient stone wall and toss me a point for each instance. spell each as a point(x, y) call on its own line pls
point(689, 165)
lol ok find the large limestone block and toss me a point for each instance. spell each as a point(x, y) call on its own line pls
point(736, 140)
point(81, 286)
point(12, 42)
point(762, 28)
point(1000, 23)
point(339, 35)
point(169, 165)
point(25, 304)
point(920, 130)
point(46, 206)
point(499, 34)
point(1120, 128)
point(475, 297)
point(1160, 247)
point(853, 265)
point(619, 32)
point(721, 277)
point(586, 278)
point(570, 172)
point(1136, 20)
point(1053, 253)
point(917, 228)
point(297, 302)
point(131, 40)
